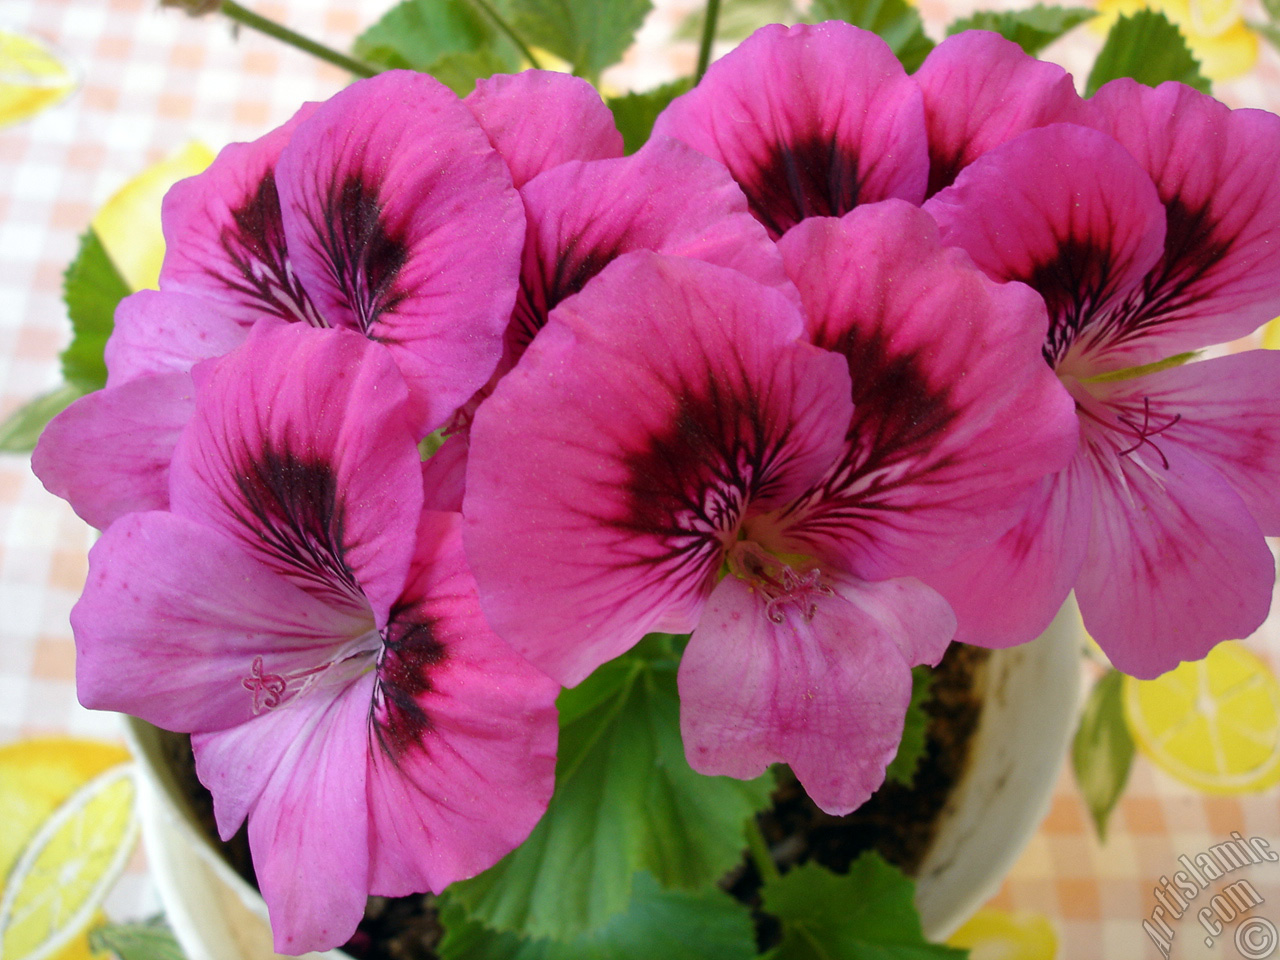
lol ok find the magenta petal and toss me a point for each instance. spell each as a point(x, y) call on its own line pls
point(981, 90)
point(444, 476)
point(174, 615)
point(308, 828)
point(158, 333)
point(463, 734)
point(1220, 275)
point(224, 238)
point(302, 449)
point(810, 120)
point(1175, 563)
point(666, 198)
point(539, 119)
point(1228, 419)
point(826, 692)
point(1083, 232)
point(402, 224)
point(955, 415)
point(1008, 590)
point(108, 453)
point(611, 467)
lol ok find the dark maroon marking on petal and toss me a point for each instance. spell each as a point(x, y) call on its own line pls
point(410, 650)
point(294, 511)
point(364, 257)
point(1074, 284)
point(256, 246)
point(541, 290)
point(943, 170)
point(813, 177)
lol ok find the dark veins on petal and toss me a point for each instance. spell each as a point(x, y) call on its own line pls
point(294, 511)
point(943, 169)
point(409, 651)
point(812, 177)
point(544, 285)
point(255, 244)
point(364, 258)
point(1074, 284)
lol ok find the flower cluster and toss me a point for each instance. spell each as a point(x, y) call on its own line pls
point(842, 365)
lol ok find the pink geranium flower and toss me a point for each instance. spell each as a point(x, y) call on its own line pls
point(319, 634)
point(1154, 234)
point(670, 455)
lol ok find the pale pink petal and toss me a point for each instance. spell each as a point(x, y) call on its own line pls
point(302, 449)
point(1066, 210)
point(177, 622)
point(1220, 275)
point(108, 453)
point(981, 90)
point(1008, 589)
point(824, 690)
point(810, 120)
point(611, 467)
point(463, 732)
point(956, 417)
point(159, 333)
point(402, 223)
point(224, 238)
point(1175, 563)
point(540, 119)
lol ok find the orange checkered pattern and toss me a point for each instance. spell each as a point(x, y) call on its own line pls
point(152, 80)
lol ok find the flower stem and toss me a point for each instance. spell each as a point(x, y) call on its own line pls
point(506, 28)
point(285, 35)
point(758, 848)
point(709, 21)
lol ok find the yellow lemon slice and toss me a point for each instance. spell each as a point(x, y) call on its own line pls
point(32, 77)
point(1271, 335)
point(997, 935)
point(65, 867)
point(1214, 724)
point(129, 223)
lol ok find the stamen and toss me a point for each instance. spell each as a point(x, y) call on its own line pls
point(1144, 433)
point(269, 689)
point(779, 581)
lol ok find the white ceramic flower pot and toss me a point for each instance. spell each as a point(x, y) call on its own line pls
point(1028, 715)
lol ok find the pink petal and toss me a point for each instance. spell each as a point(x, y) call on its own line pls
point(1008, 589)
point(825, 692)
point(108, 453)
point(611, 466)
point(308, 827)
point(402, 224)
point(444, 475)
point(956, 417)
point(810, 120)
point(1082, 228)
point(159, 333)
point(463, 734)
point(1175, 563)
point(539, 119)
point(1220, 276)
point(302, 449)
point(224, 238)
point(174, 615)
point(981, 90)
point(665, 197)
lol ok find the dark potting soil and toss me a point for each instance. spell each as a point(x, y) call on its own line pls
point(898, 822)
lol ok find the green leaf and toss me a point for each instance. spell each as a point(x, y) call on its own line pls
point(914, 730)
point(671, 924)
point(625, 800)
point(590, 34)
point(415, 34)
point(91, 288)
point(867, 914)
point(635, 113)
point(1032, 29)
point(460, 71)
point(894, 21)
point(1102, 752)
point(738, 19)
point(21, 429)
point(152, 940)
point(1148, 48)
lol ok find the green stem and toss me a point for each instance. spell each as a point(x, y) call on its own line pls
point(708, 38)
point(285, 35)
point(509, 31)
point(758, 848)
